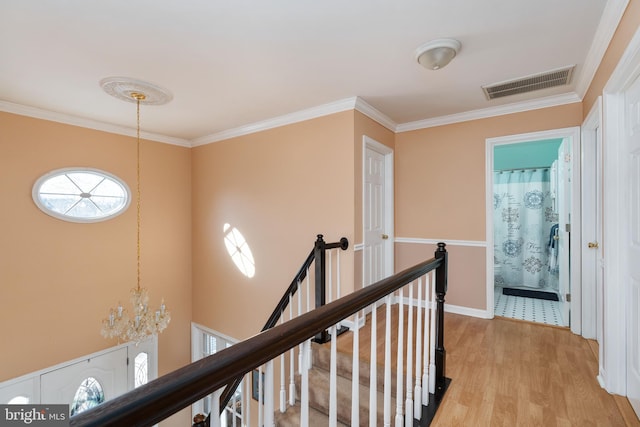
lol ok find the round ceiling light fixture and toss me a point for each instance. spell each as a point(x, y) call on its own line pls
point(436, 54)
point(126, 89)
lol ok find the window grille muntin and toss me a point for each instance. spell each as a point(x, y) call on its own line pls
point(81, 195)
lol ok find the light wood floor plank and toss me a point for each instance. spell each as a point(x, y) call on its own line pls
point(512, 373)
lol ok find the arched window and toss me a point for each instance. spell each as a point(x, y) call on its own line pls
point(88, 395)
point(19, 400)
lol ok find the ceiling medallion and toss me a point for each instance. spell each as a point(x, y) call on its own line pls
point(124, 89)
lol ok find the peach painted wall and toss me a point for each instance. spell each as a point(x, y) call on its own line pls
point(58, 279)
point(440, 188)
point(280, 188)
point(470, 295)
point(628, 26)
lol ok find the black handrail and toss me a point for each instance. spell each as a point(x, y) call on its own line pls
point(161, 398)
point(317, 254)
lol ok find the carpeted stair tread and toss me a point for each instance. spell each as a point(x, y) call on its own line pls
point(291, 418)
point(319, 397)
point(344, 366)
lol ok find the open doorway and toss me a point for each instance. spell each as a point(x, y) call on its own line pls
point(532, 199)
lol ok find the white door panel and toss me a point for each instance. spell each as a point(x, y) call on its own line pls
point(633, 246)
point(377, 196)
point(27, 389)
point(110, 370)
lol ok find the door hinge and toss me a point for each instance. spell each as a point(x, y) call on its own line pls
point(127, 360)
point(568, 297)
point(567, 228)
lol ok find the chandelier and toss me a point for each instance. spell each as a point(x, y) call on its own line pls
point(143, 321)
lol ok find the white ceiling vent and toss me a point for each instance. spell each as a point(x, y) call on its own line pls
point(557, 77)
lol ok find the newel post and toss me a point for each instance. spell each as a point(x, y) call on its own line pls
point(320, 274)
point(441, 290)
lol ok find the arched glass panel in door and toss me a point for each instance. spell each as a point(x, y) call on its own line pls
point(88, 395)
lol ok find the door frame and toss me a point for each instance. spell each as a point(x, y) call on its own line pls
point(369, 143)
point(591, 180)
point(575, 252)
point(613, 367)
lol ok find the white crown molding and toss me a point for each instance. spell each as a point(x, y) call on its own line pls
point(287, 119)
point(535, 104)
point(611, 16)
point(38, 113)
point(374, 114)
point(470, 243)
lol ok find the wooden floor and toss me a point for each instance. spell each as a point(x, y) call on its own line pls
point(512, 373)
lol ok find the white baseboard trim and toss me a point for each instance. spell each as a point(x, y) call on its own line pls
point(448, 308)
point(467, 311)
point(351, 324)
point(600, 379)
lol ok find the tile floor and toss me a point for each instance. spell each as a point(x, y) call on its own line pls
point(531, 309)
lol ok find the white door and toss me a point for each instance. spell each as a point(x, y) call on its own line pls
point(377, 202)
point(592, 272)
point(632, 98)
point(101, 377)
point(564, 227)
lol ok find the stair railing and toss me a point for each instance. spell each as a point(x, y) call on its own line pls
point(318, 258)
point(160, 398)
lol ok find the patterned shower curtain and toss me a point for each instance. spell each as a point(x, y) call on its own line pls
point(523, 220)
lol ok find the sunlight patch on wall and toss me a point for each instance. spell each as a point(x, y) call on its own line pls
point(239, 250)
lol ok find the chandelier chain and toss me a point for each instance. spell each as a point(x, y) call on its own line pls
point(143, 322)
point(139, 222)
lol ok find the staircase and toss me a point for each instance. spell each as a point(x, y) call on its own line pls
point(319, 391)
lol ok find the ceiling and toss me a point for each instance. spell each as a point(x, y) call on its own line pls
point(233, 66)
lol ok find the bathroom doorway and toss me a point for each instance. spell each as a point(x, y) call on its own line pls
point(530, 181)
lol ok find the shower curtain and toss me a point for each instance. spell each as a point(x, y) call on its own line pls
point(523, 222)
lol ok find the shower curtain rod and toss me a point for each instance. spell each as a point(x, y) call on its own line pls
point(522, 169)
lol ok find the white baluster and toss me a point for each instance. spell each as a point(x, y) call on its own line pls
point(432, 338)
point(215, 408)
point(269, 395)
point(333, 381)
point(308, 291)
point(425, 366)
point(373, 380)
point(400, 361)
point(417, 391)
point(304, 389)
point(330, 298)
point(307, 353)
point(300, 351)
point(387, 365)
point(338, 273)
point(260, 398)
point(246, 402)
point(283, 391)
point(355, 373)
point(292, 357)
point(408, 404)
